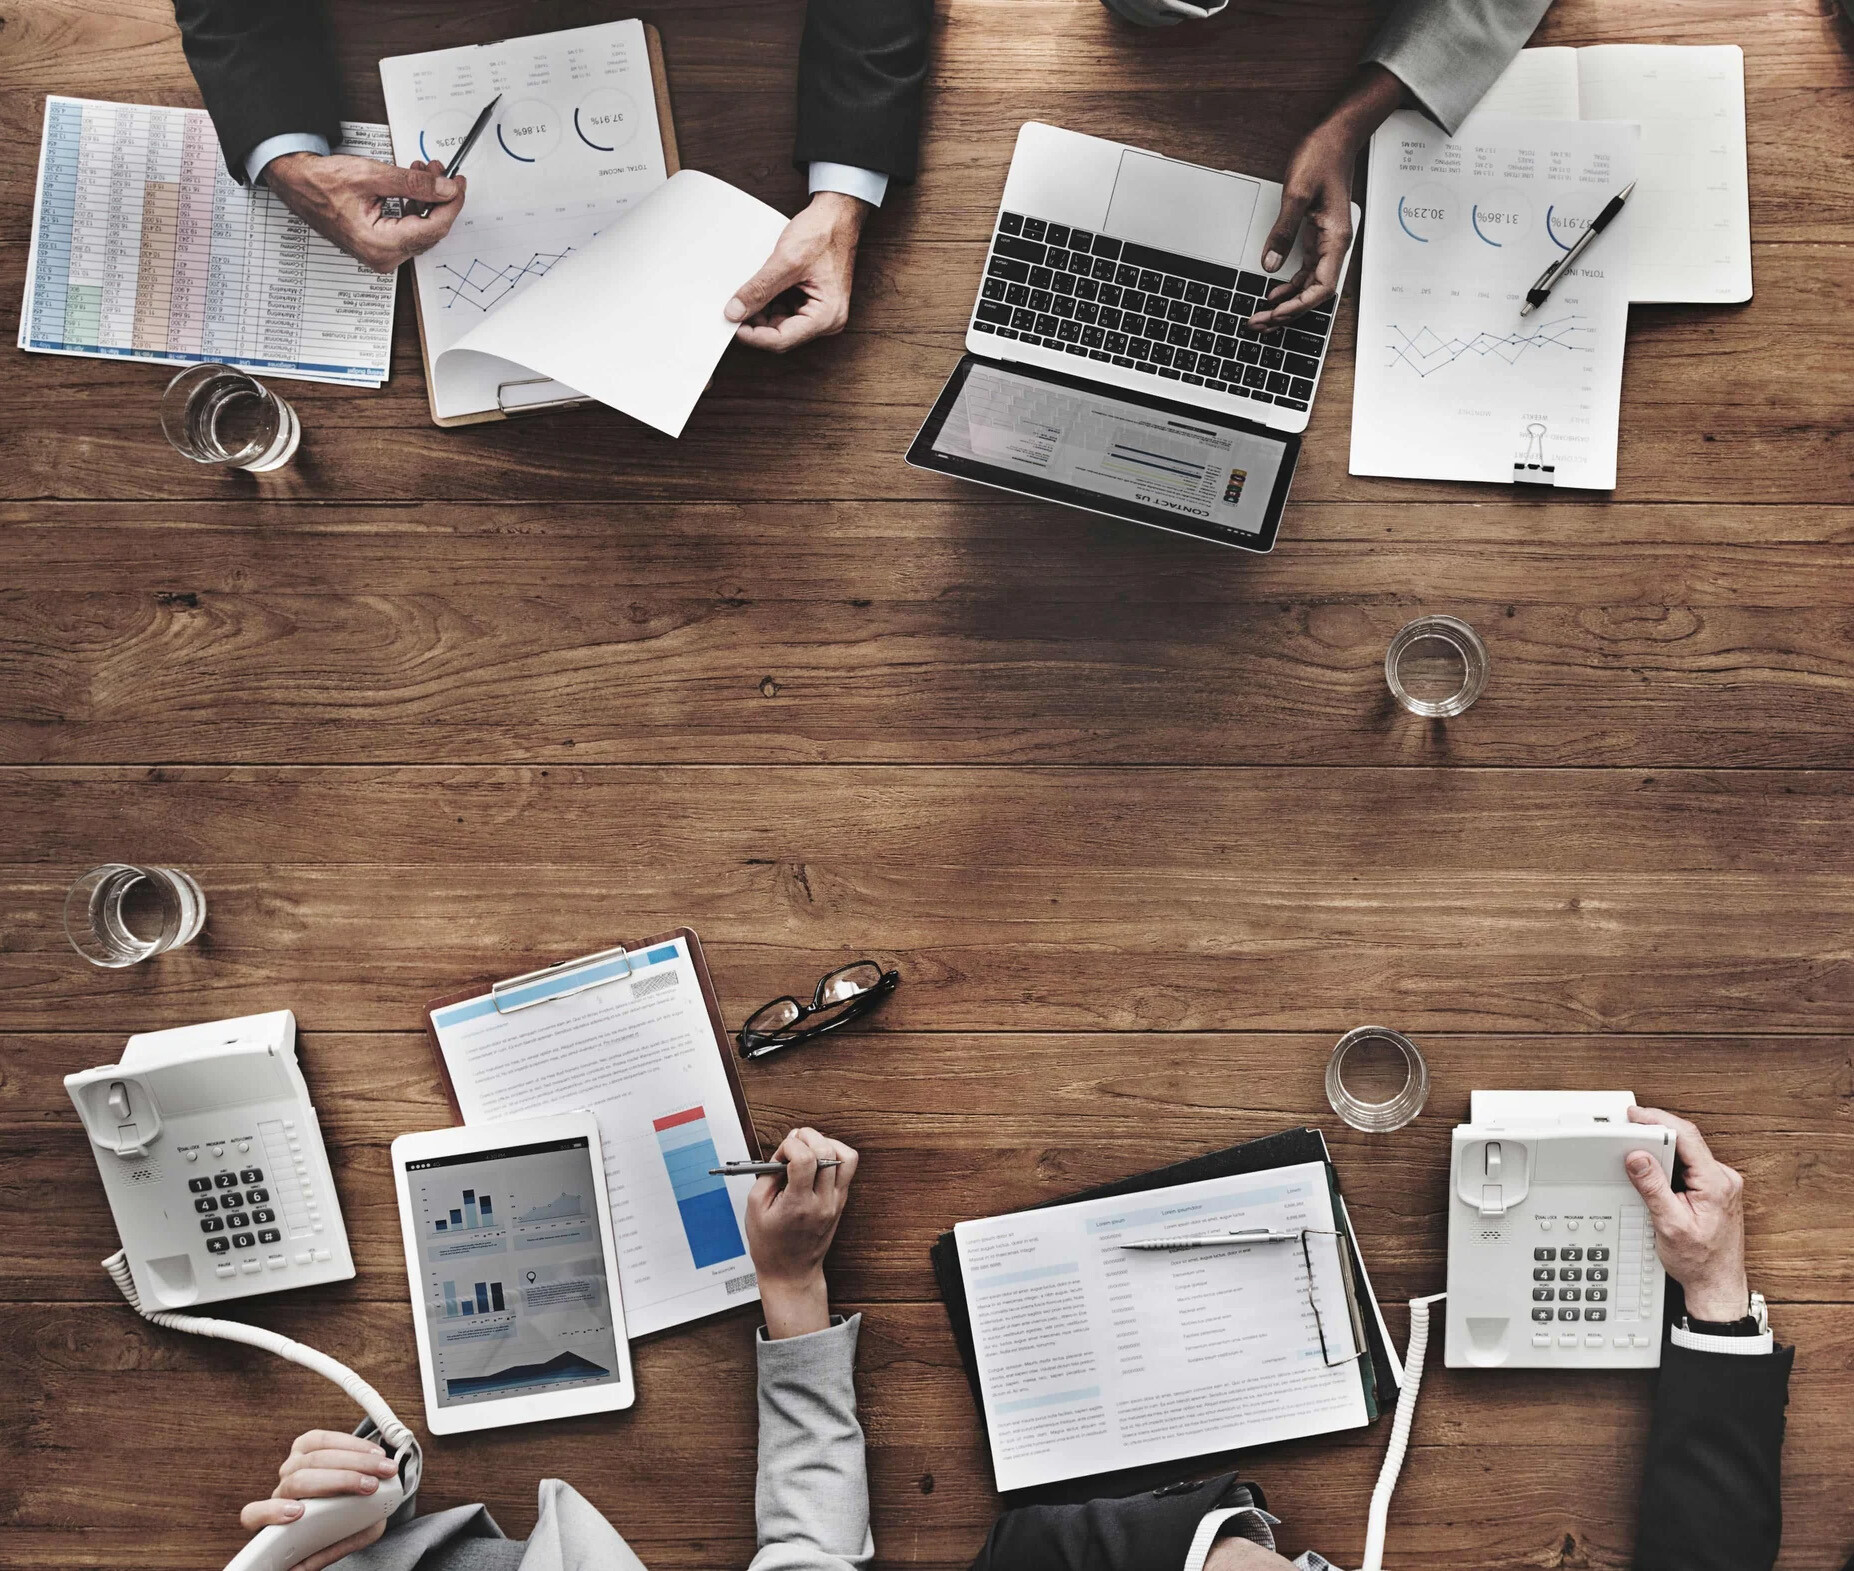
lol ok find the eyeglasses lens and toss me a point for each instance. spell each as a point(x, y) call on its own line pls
point(851, 982)
point(776, 1016)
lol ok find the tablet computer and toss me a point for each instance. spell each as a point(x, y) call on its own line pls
point(1128, 454)
point(515, 1296)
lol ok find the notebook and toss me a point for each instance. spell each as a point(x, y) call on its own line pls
point(1690, 237)
point(1092, 1362)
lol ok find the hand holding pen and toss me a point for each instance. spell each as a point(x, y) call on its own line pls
point(790, 1226)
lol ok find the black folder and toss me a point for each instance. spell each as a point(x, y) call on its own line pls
point(1287, 1149)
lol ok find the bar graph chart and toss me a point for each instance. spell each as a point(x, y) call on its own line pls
point(478, 1298)
point(707, 1213)
point(473, 1212)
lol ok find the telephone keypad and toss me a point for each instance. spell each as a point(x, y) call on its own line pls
point(258, 1197)
point(1567, 1314)
point(231, 1201)
point(1569, 1295)
point(239, 1241)
point(218, 1246)
point(199, 1186)
point(1599, 1254)
point(225, 1180)
point(1595, 1314)
point(1571, 1254)
point(205, 1203)
point(1544, 1274)
point(263, 1214)
point(237, 1219)
point(1597, 1274)
point(211, 1224)
point(1541, 1314)
point(1571, 1274)
point(251, 1175)
point(1596, 1295)
point(1544, 1254)
point(1541, 1295)
point(269, 1235)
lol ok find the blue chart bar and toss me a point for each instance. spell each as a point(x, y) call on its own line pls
point(707, 1213)
point(450, 1300)
point(480, 1298)
point(476, 1212)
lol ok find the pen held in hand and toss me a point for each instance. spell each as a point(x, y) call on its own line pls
point(1540, 292)
point(761, 1169)
point(423, 209)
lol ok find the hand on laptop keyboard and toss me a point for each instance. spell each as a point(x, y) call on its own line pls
point(1316, 198)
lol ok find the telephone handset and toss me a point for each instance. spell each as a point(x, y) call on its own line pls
point(1551, 1256)
point(220, 1188)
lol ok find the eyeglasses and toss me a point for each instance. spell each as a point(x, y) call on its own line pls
point(1313, 1301)
point(846, 994)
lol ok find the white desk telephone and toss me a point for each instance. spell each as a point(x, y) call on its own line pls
point(1551, 1257)
point(220, 1188)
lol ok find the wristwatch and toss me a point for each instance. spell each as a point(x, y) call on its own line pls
point(1757, 1323)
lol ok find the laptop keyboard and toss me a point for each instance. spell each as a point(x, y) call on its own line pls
point(1148, 310)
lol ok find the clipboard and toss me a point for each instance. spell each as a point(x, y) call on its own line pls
point(1380, 1367)
point(528, 395)
point(599, 969)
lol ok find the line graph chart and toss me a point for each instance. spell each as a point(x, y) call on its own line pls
point(1425, 351)
point(485, 285)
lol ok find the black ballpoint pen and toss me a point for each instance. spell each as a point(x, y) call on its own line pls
point(1541, 291)
point(463, 150)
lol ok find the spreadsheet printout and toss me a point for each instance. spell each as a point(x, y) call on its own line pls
point(145, 248)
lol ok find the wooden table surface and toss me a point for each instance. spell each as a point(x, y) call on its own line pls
point(1134, 816)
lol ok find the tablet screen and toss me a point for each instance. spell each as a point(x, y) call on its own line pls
point(1144, 459)
point(514, 1275)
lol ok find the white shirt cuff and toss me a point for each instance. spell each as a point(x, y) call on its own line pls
point(1211, 1524)
point(851, 181)
point(1743, 1346)
point(276, 146)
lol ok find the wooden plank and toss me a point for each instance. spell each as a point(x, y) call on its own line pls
point(679, 1484)
point(957, 1125)
point(1446, 899)
point(808, 635)
point(1768, 417)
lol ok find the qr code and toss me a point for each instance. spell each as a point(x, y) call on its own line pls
point(653, 984)
point(739, 1284)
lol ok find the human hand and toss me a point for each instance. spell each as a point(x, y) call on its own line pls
point(1316, 197)
point(321, 1463)
point(790, 1226)
point(1699, 1229)
point(1241, 1554)
point(339, 197)
point(813, 264)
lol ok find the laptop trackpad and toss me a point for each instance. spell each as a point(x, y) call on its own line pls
point(1180, 207)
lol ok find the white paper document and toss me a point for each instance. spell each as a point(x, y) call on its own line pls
point(145, 248)
point(634, 319)
point(640, 1052)
point(1452, 382)
point(1093, 1358)
point(1692, 213)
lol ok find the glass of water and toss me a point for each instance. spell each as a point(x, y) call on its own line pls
point(117, 914)
point(215, 414)
point(1376, 1079)
point(1436, 666)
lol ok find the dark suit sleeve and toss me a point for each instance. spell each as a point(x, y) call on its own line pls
point(1712, 1497)
point(264, 67)
point(861, 65)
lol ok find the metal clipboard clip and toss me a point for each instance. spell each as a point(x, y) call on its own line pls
point(1530, 467)
point(560, 981)
point(511, 398)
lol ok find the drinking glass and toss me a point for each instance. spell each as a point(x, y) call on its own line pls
point(117, 914)
point(215, 414)
point(1376, 1079)
point(1436, 666)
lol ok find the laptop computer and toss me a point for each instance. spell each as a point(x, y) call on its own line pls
point(1107, 364)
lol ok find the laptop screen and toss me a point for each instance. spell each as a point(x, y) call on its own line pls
point(1208, 474)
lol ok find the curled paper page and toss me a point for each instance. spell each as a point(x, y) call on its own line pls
point(634, 320)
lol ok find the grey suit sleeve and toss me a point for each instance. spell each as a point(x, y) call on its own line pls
point(1448, 52)
point(812, 1498)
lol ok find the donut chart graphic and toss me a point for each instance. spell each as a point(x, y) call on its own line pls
point(1551, 228)
point(443, 134)
point(529, 130)
point(1428, 212)
point(605, 119)
point(1501, 217)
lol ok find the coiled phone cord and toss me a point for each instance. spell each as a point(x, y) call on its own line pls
point(1400, 1431)
point(393, 1434)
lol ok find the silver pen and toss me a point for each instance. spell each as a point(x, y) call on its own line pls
point(761, 1169)
point(1252, 1235)
point(1541, 291)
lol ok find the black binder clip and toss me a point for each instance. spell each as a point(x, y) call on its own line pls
point(1531, 468)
